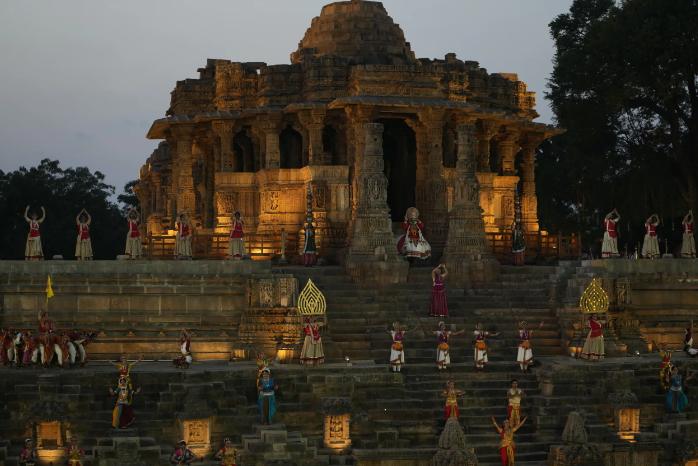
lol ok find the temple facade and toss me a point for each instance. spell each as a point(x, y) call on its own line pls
point(253, 137)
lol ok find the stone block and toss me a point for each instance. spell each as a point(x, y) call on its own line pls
point(146, 303)
point(93, 303)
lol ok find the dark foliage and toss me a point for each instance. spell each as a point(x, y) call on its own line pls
point(624, 86)
point(63, 193)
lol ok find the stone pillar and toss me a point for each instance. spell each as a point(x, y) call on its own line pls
point(314, 122)
point(431, 189)
point(487, 130)
point(507, 147)
point(529, 201)
point(357, 118)
point(270, 127)
point(224, 130)
point(466, 254)
point(186, 199)
point(372, 256)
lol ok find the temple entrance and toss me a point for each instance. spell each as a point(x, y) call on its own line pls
point(291, 146)
point(243, 150)
point(400, 159)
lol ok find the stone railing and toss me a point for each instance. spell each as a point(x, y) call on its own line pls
point(538, 246)
point(215, 246)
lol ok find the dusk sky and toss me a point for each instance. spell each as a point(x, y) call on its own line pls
point(82, 80)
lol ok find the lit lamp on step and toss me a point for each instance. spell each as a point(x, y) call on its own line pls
point(576, 345)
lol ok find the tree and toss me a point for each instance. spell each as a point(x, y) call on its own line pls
point(624, 86)
point(63, 193)
point(128, 198)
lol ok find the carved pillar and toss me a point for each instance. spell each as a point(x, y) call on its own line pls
point(487, 130)
point(270, 127)
point(314, 122)
point(466, 252)
point(529, 201)
point(186, 199)
point(357, 118)
point(431, 188)
point(507, 147)
point(372, 255)
point(224, 158)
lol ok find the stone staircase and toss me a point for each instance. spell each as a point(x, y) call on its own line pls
point(359, 318)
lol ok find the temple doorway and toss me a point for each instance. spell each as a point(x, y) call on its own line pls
point(400, 166)
point(291, 146)
point(243, 150)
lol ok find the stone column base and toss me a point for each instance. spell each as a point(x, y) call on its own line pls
point(469, 273)
point(376, 271)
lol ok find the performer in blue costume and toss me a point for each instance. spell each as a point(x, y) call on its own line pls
point(676, 399)
point(266, 397)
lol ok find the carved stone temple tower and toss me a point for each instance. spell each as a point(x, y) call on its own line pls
point(372, 255)
point(466, 254)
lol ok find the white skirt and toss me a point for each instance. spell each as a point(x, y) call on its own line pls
point(650, 247)
point(134, 248)
point(688, 246)
point(236, 247)
point(609, 248)
point(83, 248)
point(421, 249)
point(525, 355)
point(183, 246)
point(397, 357)
point(480, 356)
point(443, 358)
point(33, 250)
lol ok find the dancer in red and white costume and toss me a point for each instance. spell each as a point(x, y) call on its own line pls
point(688, 246)
point(33, 250)
point(609, 248)
point(134, 248)
point(183, 238)
point(83, 245)
point(236, 246)
point(650, 245)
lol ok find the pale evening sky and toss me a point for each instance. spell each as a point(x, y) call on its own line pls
point(81, 80)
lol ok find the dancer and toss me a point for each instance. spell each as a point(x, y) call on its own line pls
point(122, 414)
point(438, 307)
point(312, 353)
point(650, 245)
point(688, 341)
point(525, 353)
point(183, 238)
point(83, 245)
point(593, 349)
point(125, 367)
point(480, 351)
point(78, 341)
point(185, 360)
point(397, 349)
point(227, 455)
point(451, 395)
point(134, 248)
point(236, 245)
point(688, 245)
point(182, 455)
point(74, 452)
point(665, 368)
point(507, 447)
point(28, 456)
point(33, 250)
point(412, 244)
point(514, 396)
point(609, 247)
point(676, 399)
point(266, 398)
point(48, 340)
point(443, 358)
point(309, 246)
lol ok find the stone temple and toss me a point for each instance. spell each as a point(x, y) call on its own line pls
point(369, 130)
point(253, 137)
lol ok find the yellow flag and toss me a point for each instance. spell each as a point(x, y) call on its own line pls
point(49, 288)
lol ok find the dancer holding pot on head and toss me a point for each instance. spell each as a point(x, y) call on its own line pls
point(438, 306)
